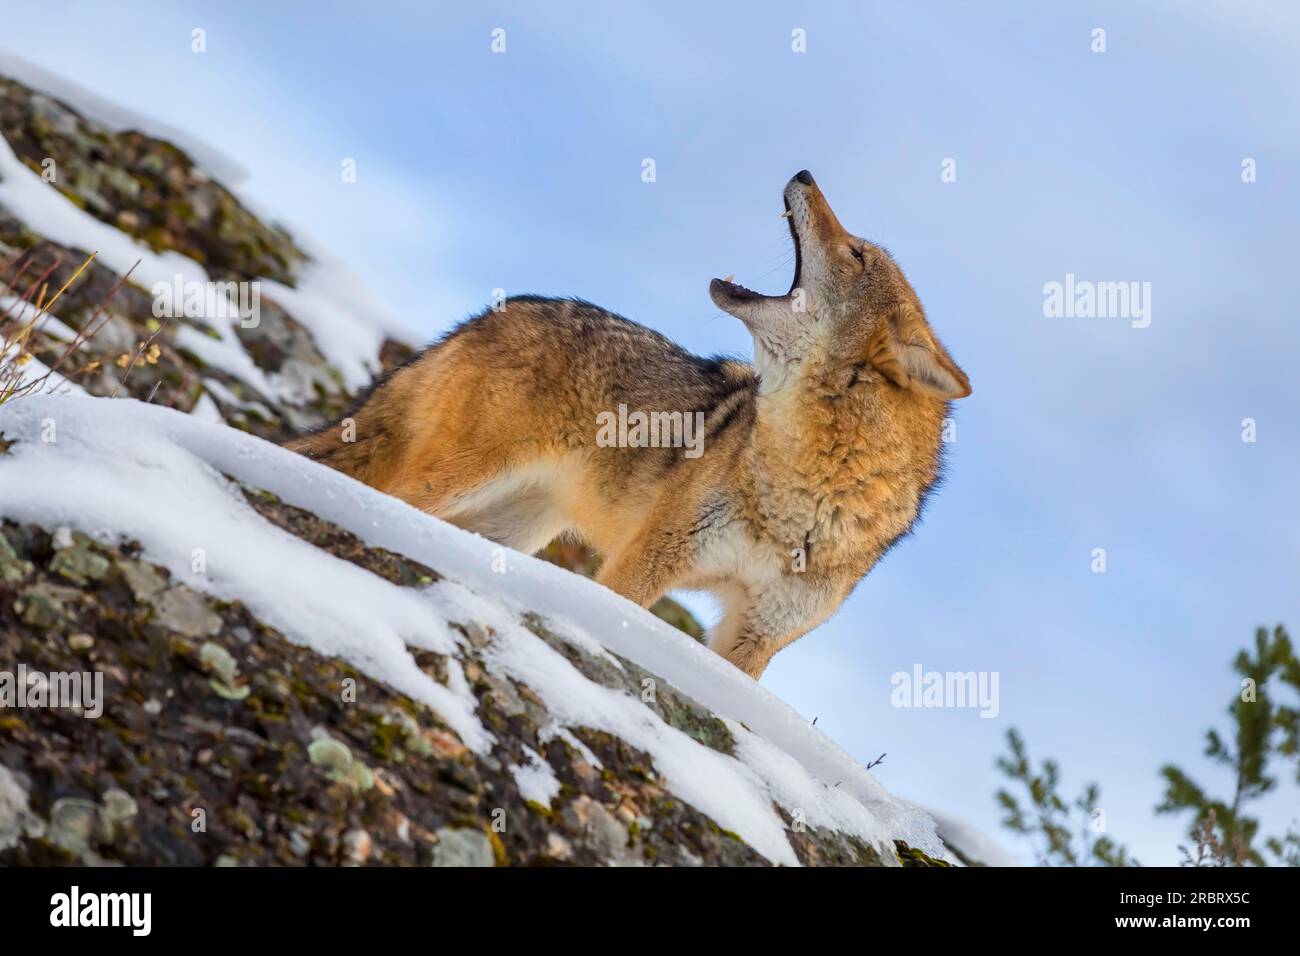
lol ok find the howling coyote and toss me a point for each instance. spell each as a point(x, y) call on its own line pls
point(533, 420)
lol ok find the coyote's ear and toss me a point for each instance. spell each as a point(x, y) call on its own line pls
point(905, 351)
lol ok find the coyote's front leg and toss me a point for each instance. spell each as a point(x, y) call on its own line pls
point(758, 621)
point(745, 645)
point(648, 565)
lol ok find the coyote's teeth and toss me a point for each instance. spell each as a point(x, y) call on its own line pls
point(729, 278)
point(787, 214)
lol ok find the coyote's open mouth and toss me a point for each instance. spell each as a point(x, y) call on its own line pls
point(798, 252)
point(739, 293)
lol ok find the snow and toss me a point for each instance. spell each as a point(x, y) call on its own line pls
point(347, 323)
point(159, 479)
point(181, 508)
point(724, 788)
point(218, 390)
point(971, 843)
point(536, 779)
point(567, 736)
point(205, 409)
point(117, 118)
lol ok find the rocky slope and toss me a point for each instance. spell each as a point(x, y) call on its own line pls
point(235, 734)
point(217, 721)
point(153, 193)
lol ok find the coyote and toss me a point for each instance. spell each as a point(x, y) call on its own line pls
point(809, 464)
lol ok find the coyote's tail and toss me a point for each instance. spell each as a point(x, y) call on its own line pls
point(351, 445)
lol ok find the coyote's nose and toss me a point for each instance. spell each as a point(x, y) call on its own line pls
point(804, 177)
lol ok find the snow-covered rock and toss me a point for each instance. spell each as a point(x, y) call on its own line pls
point(285, 330)
point(598, 732)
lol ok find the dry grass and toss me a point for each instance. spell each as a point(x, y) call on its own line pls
point(28, 305)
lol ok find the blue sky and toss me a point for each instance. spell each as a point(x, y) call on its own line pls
point(522, 171)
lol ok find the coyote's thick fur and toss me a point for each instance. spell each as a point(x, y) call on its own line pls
point(814, 461)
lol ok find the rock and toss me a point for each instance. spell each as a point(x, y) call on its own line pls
point(356, 847)
point(42, 604)
point(329, 753)
point(16, 819)
point(607, 835)
point(154, 193)
point(462, 848)
point(12, 568)
point(478, 635)
point(47, 111)
point(337, 760)
point(78, 563)
point(183, 610)
point(72, 824)
point(115, 333)
point(558, 848)
point(216, 660)
point(117, 808)
point(145, 583)
point(291, 758)
point(413, 737)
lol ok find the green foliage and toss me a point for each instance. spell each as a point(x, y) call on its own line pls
point(1286, 848)
point(1069, 834)
point(1264, 731)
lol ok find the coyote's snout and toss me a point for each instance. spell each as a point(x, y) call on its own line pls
point(776, 486)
